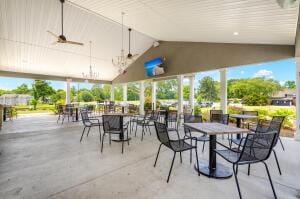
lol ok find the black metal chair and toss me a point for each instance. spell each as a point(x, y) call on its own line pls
point(63, 111)
point(215, 115)
point(172, 120)
point(113, 124)
point(263, 127)
point(257, 148)
point(89, 122)
point(175, 145)
point(187, 131)
point(144, 123)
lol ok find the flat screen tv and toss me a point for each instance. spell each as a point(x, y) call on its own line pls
point(155, 67)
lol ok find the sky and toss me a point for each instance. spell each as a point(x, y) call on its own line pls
point(283, 70)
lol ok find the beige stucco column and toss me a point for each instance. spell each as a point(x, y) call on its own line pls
point(142, 96)
point(223, 90)
point(124, 94)
point(192, 92)
point(153, 95)
point(180, 93)
point(68, 91)
point(112, 93)
point(297, 135)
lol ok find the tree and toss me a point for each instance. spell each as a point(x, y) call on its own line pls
point(186, 92)
point(208, 89)
point(290, 84)
point(86, 96)
point(106, 91)
point(97, 92)
point(133, 92)
point(58, 97)
point(254, 91)
point(118, 92)
point(167, 89)
point(22, 89)
point(42, 89)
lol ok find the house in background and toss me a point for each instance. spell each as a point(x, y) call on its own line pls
point(286, 97)
point(15, 99)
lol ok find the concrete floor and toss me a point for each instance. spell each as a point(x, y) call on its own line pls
point(46, 160)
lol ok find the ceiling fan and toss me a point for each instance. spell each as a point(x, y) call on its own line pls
point(62, 38)
point(130, 56)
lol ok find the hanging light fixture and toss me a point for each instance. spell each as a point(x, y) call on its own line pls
point(121, 61)
point(91, 74)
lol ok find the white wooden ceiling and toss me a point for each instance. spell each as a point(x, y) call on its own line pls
point(25, 46)
point(256, 21)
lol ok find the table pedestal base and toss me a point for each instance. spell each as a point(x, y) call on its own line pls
point(116, 138)
point(221, 171)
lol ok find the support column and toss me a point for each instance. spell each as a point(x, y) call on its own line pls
point(297, 133)
point(153, 95)
point(142, 90)
point(180, 93)
point(192, 92)
point(223, 89)
point(125, 94)
point(112, 93)
point(68, 91)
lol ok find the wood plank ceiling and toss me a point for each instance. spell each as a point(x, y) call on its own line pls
point(26, 47)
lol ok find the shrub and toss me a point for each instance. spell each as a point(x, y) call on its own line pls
point(86, 96)
point(197, 110)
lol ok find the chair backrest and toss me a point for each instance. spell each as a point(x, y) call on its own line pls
point(257, 147)
point(84, 116)
point(215, 115)
point(162, 132)
point(172, 115)
point(275, 125)
point(187, 118)
point(112, 122)
point(255, 113)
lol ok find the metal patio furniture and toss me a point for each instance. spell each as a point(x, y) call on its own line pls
point(113, 125)
point(187, 131)
point(257, 148)
point(89, 122)
point(177, 146)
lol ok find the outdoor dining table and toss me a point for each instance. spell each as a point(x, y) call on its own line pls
point(239, 118)
point(211, 168)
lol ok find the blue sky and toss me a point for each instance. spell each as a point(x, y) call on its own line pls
point(282, 71)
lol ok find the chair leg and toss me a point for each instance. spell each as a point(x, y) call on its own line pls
point(270, 179)
point(171, 167)
point(87, 135)
point(100, 132)
point(236, 180)
point(157, 155)
point(248, 169)
point(102, 142)
point(281, 143)
point(143, 131)
point(135, 130)
point(180, 157)
point(122, 145)
point(109, 138)
point(58, 118)
point(277, 162)
point(82, 134)
point(203, 146)
point(191, 151)
point(197, 160)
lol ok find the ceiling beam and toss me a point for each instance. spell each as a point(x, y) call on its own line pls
point(191, 57)
point(48, 77)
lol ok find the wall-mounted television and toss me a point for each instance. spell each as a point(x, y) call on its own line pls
point(155, 67)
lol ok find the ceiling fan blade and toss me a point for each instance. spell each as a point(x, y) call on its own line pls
point(51, 33)
point(74, 42)
point(131, 57)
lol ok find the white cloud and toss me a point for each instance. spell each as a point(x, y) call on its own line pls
point(281, 83)
point(242, 72)
point(264, 73)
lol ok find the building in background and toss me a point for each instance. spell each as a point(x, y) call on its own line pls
point(286, 97)
point(15, 99)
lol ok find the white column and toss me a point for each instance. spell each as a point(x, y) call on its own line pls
point(142, 90)
point(112, 93)
point(192, 92)
point(124, 94)
point(153, 95)
point(297, 135)
point(223, 89)
point(180, 93)
point(68, 91)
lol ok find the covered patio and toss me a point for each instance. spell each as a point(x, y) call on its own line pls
point(44, 157)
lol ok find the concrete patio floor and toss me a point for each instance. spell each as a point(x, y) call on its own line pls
point(46, 160)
